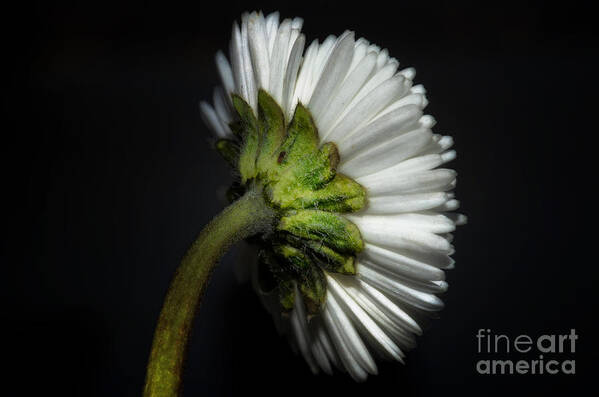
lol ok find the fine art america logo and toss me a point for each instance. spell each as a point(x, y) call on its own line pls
point(546, 354)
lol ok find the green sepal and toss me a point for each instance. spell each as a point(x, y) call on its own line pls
point(287, 294)
point(332, 229)
point(297, 262)
point(301, 140)
point(313, 288)
point(330, 260)
point(273, 276)
point(250, 138)
point(341, 194)
point(229, 150)
point(324, 256)
point(311, 172)
point(315, 170)
point(310, 278)
point(271, 121)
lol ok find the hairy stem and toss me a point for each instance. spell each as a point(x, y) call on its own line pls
point(245, 217)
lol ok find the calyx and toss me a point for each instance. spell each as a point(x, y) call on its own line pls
point(298, 178)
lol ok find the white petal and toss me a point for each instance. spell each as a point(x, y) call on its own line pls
point(258, 43)
point(400, 334)
point(383, 58)
point(324, 51)
point(293, 35)
point(399, 316)
point(416, 164)
point(297, 23)
point(333, 74)
point(427, 121)
point(248, 70)
point(221, 105)
point(345, 355)
point(272, 26)
point(350, 86)
point(380, 130)
point(360, 51)
point(450, 205)
point(321, 333)
point(418, 89)
point(351, 336)
point(379, 77)
point(212, 120)
point(458, 219)
point(429, 286)
point(378, 205)
point(320, 356)
point(419, 299)
point(385, 182)
point(387, 154)
point(387, 232)
point(428, 221)
point(305, 74)
point(237, 61)
point(448, 156)
point(226, 73)
point(401, 264)
point(442, 260)
point(374, 48)
point(439, 144)
point(295, 58)
point(408, 73)
point(363, 320)
point(407, 100)
point(302, 341)
point(316, 68)
point(300, 328)
point(364, 110)
point(278, 61)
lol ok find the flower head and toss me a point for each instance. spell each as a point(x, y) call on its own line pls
point(335, 139)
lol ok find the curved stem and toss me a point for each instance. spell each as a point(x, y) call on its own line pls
point(247, 216)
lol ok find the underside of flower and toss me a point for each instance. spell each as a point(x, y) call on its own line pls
point(298, 177)
point(336, 142)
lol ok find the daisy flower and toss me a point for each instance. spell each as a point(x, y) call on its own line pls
point(335, 136)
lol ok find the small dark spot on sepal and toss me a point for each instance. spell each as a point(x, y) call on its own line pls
point(281, 157)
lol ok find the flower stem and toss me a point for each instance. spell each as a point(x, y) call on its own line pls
point(245, 217)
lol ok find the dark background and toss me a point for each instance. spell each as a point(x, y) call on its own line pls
point(110, 177)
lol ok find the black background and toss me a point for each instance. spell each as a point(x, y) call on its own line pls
point(111, 177)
